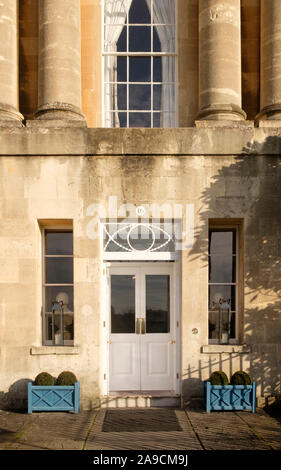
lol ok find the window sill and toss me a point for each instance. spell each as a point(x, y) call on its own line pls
point(226, 348)
point(55, 350)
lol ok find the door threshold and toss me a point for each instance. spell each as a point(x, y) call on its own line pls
point(143, 399)
point(143, 393)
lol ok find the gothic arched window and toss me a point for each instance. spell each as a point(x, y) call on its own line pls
point(139, 63)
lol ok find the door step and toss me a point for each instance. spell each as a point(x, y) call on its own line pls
point(141, 400)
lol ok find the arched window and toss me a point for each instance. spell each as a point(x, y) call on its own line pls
point(139, 63)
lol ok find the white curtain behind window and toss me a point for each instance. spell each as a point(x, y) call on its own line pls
point(115, 12)
point(164, 13)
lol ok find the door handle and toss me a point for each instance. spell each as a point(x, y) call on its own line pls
point(143, 327)
point(140, 326)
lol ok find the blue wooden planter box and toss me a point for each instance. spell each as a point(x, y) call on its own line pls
point(53, 398)
point(230, 397)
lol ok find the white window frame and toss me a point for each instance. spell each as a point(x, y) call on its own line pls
point(55, 228)
point(142, 54)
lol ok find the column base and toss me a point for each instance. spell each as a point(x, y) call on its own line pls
point(59, 111)
point(222, 112)
point(269, 113)
point(9, 115)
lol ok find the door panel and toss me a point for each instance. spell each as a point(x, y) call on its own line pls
point(156, 367)
point(124, 360)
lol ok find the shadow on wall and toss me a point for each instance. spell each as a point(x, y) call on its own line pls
point(16, 397)
point(249, 189)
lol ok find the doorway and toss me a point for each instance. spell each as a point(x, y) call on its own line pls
point(142, 326)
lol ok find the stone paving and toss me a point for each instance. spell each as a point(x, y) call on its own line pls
point(140, 429)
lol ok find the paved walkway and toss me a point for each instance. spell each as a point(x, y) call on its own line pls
point(140, 429)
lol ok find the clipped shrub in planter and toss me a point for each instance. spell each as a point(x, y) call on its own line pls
point(240, 394)
point(44, 378)
point(43, 395)
point(66, 378)
point(218, 378)
point(240, 378)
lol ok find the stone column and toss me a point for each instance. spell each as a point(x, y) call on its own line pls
point(220, 60)
point(9, 89)
point(59, 95)
point(270, 87)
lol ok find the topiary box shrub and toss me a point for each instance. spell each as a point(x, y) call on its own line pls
point(53, 397)
point(231, 397)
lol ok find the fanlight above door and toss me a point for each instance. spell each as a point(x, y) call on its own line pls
point(138, 240)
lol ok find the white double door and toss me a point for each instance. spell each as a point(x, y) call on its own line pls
point(142, 346)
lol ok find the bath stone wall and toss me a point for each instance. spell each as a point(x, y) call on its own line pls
point(57, 173)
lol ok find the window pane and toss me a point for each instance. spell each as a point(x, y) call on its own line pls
point(139, 12)
point(140, 97)
point(163, 5)
point(139, 39)
point(233, 325)
point(222, 268)
point(58, 243)
point(140, 120)
point(156, 120)
point(164, 39)
point(122, 41)
point(214, 325)
point(226, 329)
point(140, 69)
point(58, 270)
point(156, 41)
point(157, 97)
point(122, 96)
point(116, 96)
point(122, 304)
point(157, 304)
point(59, 293)
point(48, 328)
point(121, 69)
point(68, 328)
point(58, 339)
point(157, 69)
point(116, 119)
point(122, 119)
point(114, 37)
point(220, 294)
point(222, 242)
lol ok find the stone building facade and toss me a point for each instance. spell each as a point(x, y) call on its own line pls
point(140, 240)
